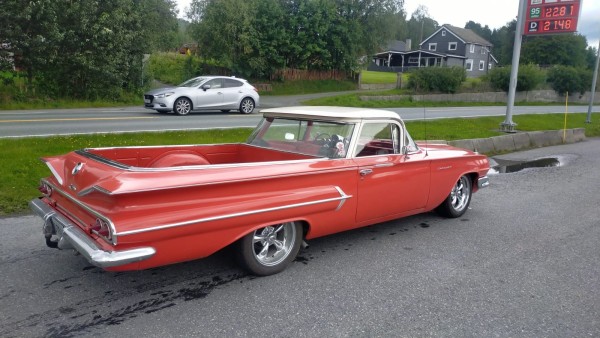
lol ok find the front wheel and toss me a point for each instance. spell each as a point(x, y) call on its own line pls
point(183, 106)
point(457, 203)
point(271, 249)
point(247, 106)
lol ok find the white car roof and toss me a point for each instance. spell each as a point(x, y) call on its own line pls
point(332, 113)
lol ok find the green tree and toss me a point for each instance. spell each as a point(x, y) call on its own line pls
point(421, 25)
point(560, 49)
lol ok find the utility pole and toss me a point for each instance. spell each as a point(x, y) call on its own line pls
point(508, 125)
point(589, 114)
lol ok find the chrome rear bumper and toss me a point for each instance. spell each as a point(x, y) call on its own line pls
point(70, 236)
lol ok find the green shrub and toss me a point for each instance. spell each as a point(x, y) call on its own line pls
point(569, 79)
point(174, 68)
point(437, 79)
point(529, 77)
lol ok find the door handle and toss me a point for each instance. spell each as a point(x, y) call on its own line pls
point(365, 172)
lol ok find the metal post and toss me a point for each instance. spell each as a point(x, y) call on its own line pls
point(508, 125)
point(589, 114)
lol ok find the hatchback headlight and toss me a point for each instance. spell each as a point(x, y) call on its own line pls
point(161, 95)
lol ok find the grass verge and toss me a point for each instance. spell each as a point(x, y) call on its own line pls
point(21, 168)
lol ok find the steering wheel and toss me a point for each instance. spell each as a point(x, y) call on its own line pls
point(322, 138)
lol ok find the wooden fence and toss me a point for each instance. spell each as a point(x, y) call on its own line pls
point(302, 74)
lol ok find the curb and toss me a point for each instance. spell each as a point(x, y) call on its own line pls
point(520, 141)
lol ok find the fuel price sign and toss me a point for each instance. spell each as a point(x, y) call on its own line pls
point(551, 16)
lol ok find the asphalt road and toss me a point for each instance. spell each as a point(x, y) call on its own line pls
point(522, 262)
point(22, 123)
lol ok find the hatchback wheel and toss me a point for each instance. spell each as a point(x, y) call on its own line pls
point(183, 106)
point(247, 106)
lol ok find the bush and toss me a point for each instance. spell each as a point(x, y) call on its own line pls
point(569, 79)
point(529, 77)
point(174, 68)
point(437, 79)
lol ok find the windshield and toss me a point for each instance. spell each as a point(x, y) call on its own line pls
point(195, 82)
point(317, 138)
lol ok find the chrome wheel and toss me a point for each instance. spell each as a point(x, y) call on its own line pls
point(273, 244)
point(247, 106)
point(183, 106)
point(271, 249)
point(460, 194)
point(457, 202)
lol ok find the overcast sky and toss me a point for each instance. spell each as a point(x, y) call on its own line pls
point(494, 13)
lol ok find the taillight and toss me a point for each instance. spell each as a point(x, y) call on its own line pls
point(45, 189)
point(101, 228)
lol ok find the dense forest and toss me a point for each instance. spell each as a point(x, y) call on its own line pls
point(91, 49)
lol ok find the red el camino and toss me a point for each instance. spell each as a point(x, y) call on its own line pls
point(304, 172)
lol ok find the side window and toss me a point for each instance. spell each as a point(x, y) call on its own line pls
point(229, 83)
point(214, 83)
point(378, 139)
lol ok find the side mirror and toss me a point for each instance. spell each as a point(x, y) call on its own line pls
point(205, 87)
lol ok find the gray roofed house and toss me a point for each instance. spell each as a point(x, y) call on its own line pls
point(448, 46)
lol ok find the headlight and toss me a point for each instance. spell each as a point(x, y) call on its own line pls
point(161, 95)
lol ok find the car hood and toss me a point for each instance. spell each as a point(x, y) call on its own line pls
point(159, 90)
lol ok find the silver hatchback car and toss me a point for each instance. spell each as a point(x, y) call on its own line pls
point(204, 93)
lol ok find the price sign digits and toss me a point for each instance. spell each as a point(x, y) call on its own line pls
point(548, 17)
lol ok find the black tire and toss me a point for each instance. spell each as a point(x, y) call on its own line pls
point(271, 249)
point(457, 202)
point(247, 106)
point(182, 106)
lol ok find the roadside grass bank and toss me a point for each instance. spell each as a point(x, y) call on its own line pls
point(22, 169)
point(353, 100)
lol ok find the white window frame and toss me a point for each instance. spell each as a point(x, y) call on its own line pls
point(481, 64)
point(483, 50)
point(434, 45)
point(469, 65)
point(472, 49)
point(452, 44)
point(443, 33)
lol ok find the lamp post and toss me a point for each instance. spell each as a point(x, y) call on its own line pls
point(589, 114)
point(508, 125)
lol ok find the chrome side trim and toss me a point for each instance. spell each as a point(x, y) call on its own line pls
point(342, 198)
point(113, 231)
point(483, 182)
point(107, 192)
point(70, 236)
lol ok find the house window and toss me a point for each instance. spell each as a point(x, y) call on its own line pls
point(413, 60)
point(469, 65)
point(472, 50)
point(452, 45)
point(482, 50)
point(481, 65)
point(433, 46)
point(443, 33)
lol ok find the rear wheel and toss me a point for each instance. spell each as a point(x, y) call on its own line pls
point(247, 106)
point(271, 249)
point(183, 106)
point(457, 202)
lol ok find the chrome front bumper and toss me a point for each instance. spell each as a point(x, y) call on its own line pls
point(483, 182)
point(70, 236)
